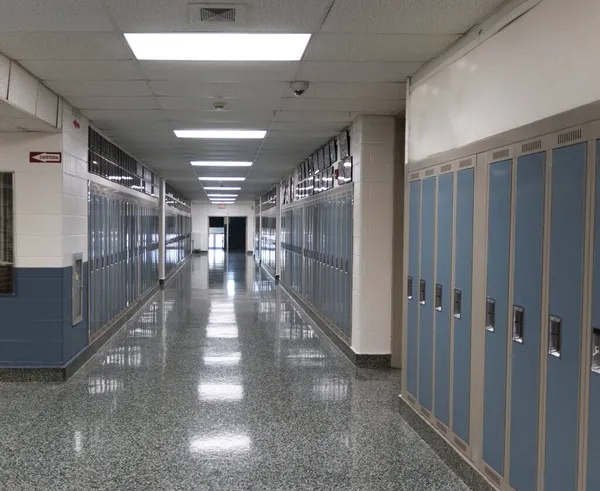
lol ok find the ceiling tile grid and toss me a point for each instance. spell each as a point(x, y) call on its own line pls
point(357, 61)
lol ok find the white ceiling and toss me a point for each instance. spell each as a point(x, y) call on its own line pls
point(358, 57)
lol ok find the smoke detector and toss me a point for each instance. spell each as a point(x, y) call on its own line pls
point(222, 13)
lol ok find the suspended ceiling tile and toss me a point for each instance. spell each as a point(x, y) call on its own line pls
point(100, 88)
point(223, 90)
point(53, 15)
point(319, 71)
point(84, 70)
point(206, 104)
point(108, 103)
point(355, 90)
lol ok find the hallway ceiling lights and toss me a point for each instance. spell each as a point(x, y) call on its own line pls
point(216, 163)
point(222, 188)
point(205, 46)
point(222, 134)
point(222, 195)
point(210, 178)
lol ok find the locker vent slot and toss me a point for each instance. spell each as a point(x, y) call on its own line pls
point(411, 399)
point(531, 146)
point(446, 168)
point(441, 426)
point(493, 476)
point(501, 154)
point(425, 412)
point(595, 349)
point(464, 163)
point(414, 175)
point(462, 445)
point(429, 172)
point(570, 136)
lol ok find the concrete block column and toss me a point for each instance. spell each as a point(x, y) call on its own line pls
point(373, 150)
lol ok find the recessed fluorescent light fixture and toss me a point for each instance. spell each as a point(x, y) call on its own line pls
point(222, 188)
point(222, 134)
point(216, 163)
point(209, 46)
point(222, 195)
point(210, 178)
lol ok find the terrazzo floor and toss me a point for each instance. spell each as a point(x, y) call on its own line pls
point(218, 384)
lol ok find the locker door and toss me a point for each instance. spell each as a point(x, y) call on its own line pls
point(593, 470)
point(463, 265)
point(443, 313)
point(566, 277)
point(412, 331)
point(426, 292)
point(527, 294)
point(498, 256)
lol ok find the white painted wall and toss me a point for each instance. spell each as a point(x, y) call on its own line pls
point(201, 211)
point(541, 65)
point(37, 199)
point(372, 150)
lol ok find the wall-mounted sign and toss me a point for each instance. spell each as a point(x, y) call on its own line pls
point(344, 145)
point(45, 157)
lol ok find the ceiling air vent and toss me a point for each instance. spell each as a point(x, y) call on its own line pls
point(531, 146)
point(500, 154)
point(570, 136)
point(464, 163)
point(226, 13)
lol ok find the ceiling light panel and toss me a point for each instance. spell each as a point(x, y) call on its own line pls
point(217, 163)
point(217, 46)
point(210, 178)
point(222, 134)
point(222, 188)
point(216, 196)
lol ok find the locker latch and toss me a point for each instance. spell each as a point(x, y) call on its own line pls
point(438, 297)
point(518, 324)
point(595, 349)
point(422, 291)
point(554, 334)
point(409, 288)
point(490, 314)
point(457, 303)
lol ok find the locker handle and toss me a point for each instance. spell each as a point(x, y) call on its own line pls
point(457, 303)
point(422, 291)
point(595, 349)
point(518, 324)
point(409, 288)
point(490, 314)
point(438, 297)
point(554, 335)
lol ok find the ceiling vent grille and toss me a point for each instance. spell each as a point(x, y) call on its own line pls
point(204, 13)
point(531, 146)
point(500, 154)
point(570, 136)
point(464, 163)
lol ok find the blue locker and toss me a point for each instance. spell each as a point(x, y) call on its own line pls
point(443, 310)
point(593, 469)
point(412, 331)
point(527, 293)
point(461, 308)
point(564, 323)
point(426, 293)
point(498, 266)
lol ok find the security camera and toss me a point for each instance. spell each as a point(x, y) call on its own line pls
point(299, 87)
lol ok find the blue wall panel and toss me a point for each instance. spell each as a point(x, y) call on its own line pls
point(498, 265)
point(593, 469)
point(527, 292)
point(566, 257)
point(444, 278)
point(412, 334)
point(426, 315)
point(463, 264)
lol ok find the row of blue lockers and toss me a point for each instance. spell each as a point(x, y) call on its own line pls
point(524, 319)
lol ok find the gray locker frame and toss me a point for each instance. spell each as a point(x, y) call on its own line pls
point(590, 133)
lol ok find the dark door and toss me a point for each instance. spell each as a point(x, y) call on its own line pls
point(237, 234)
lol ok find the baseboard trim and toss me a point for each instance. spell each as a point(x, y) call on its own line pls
point(61, 374)
point(358, 360)
point(464, 469)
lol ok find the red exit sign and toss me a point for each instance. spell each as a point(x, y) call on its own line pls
point(45, 157)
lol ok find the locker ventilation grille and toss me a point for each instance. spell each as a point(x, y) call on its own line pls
point(501, 154)
point(414, 175)
point(464, 163)
point(429, 172)
point(531, 146)
point(570, 136)
point(446, 168)
point(441, 426)
point(460, 444)
point(492, 475)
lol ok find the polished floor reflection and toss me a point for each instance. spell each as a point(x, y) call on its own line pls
point(218, 384)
